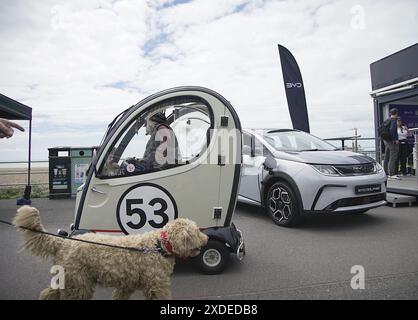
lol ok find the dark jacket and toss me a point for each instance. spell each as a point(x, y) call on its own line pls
point(393, 129)
point(170, 151)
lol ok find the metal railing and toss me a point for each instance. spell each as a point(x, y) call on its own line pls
point(415, 131)
point(373, 153)
point(355, 147)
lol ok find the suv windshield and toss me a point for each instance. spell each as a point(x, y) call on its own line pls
point(290, 140)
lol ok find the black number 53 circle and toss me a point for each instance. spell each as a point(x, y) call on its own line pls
point(145, 207)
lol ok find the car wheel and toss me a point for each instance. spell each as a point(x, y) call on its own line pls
point(282, 205)
point(213, 258)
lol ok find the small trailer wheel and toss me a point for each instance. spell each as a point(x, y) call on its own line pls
point(213, 258)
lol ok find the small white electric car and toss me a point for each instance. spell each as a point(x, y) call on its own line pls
point(131, 189)
point(291, 173)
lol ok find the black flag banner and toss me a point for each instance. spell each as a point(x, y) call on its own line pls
point(295, 92)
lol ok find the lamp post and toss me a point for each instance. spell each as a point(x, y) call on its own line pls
point(355, 147)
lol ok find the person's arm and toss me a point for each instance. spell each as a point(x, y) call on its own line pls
point(394, 130)
point(408, 133)
point(150, 149)
point(6, 128)
point(156, 150)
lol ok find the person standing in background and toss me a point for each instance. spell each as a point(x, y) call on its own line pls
point(391, 146)
point(403, 146)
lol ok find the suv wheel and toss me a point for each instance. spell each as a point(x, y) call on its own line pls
point(282, 205)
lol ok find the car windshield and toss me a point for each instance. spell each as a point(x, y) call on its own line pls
point(297, 141)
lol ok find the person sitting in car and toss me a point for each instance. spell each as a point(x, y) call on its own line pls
point(161, 149)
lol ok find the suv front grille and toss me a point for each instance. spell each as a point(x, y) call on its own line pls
point(356, 170)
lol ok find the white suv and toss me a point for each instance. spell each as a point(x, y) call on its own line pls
point(290, 173)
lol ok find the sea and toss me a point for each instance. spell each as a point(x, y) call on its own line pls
point(23, 164)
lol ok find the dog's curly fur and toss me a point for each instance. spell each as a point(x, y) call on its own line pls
point(87, 265)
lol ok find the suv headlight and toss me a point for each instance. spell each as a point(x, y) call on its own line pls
point(377, 167)
point(326, 169)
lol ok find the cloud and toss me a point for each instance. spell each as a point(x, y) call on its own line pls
point(80, 63)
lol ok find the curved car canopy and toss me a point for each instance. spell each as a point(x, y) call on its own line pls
point(174, 154)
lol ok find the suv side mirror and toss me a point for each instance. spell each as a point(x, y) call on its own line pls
point(270, 163)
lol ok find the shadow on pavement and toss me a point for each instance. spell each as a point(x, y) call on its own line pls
point(339, 222)
point(328, 222)
point(248, 210)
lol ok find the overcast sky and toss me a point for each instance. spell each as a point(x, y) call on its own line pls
point(79, 63)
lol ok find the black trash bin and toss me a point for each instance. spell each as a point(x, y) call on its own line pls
point(59, 172)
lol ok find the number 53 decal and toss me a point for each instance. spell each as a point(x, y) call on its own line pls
point(145, 207)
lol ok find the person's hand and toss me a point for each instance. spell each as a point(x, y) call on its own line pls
point(6, 128)
point(111, 162)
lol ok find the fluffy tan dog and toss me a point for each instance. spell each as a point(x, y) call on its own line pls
point(87, 265)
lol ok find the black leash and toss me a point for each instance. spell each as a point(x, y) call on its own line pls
point(143, 250)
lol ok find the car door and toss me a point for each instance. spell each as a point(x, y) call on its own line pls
point(126, 194)
point(253, 159)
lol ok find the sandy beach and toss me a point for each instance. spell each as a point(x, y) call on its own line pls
point(9, 176)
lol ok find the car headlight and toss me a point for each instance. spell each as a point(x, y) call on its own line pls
point(377, 167)
point(326, 169)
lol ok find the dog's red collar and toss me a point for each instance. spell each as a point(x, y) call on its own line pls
point(165, 244)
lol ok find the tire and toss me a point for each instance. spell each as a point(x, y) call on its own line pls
point(282, 205)
point(213, 258)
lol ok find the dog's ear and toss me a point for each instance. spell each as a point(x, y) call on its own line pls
point(184, 239)
point(184, 236)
